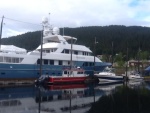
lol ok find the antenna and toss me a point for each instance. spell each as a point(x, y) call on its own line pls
point(49, 18)
point(63, 30)
point(95, 42)
point(112, 52)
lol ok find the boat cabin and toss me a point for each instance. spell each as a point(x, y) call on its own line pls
point(75, 72)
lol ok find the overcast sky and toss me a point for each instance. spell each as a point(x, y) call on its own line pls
point(71, 13)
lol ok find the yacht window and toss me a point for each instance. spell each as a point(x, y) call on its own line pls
point(10, 103)
point(91, 64)
point(67, 51)
point(17, 60)
point(85, 64)
point(68, 62)
point(65, 72)
point(11, 59)
point(45, 61)
point(47, 51)
point(38, 61)
point(76, 52)
point(53, 49)
point(60, 62)
point(14, 60)
point(7, 59)
point(80, 72)
point(1, 59)
point(51, 62)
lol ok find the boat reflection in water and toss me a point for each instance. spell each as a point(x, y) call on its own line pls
point(75, 98)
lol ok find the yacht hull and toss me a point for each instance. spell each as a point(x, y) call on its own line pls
point(109, 78)
point(32, 71)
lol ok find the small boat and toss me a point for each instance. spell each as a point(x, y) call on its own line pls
point(75, 75)
point(108, 75)
point(134, 75)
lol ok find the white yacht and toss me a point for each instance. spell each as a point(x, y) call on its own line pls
point(56, 54)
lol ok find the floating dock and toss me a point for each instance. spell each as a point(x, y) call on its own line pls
point(16, 83)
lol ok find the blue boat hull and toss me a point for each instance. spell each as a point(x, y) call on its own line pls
point(32, 71)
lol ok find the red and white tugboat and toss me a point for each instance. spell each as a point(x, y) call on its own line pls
point(69, 76)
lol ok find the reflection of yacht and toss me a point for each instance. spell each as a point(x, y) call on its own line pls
point(108, 75)
point(55, 99)
point(56, 53)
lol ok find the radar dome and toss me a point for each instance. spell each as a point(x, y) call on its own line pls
point(55, 30)
point(44, 20)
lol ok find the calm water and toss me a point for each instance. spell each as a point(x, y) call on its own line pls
point(133, 97)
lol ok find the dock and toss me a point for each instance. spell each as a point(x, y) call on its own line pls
point(16, 83)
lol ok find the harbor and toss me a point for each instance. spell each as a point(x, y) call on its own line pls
point(59, 60)
point(62, 66)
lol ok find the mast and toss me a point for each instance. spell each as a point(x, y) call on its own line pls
point(127, 61)
point(1, 31)
point(71, 57)
point(41, 53)
point(139, 59)
point(112, 53)
point(94, 54)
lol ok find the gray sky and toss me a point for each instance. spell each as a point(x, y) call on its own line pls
point(71, 13)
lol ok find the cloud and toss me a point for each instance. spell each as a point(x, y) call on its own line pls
point(73, 13)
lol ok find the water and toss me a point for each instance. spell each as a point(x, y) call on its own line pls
point(132, 97)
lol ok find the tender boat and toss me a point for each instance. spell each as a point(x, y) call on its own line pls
point(56, 52)
point(134, 75)
point(108, 75)
point(69, 76)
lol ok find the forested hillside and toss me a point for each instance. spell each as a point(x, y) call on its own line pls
point(134, 36)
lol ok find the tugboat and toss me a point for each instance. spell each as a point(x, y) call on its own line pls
point(75, 75)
